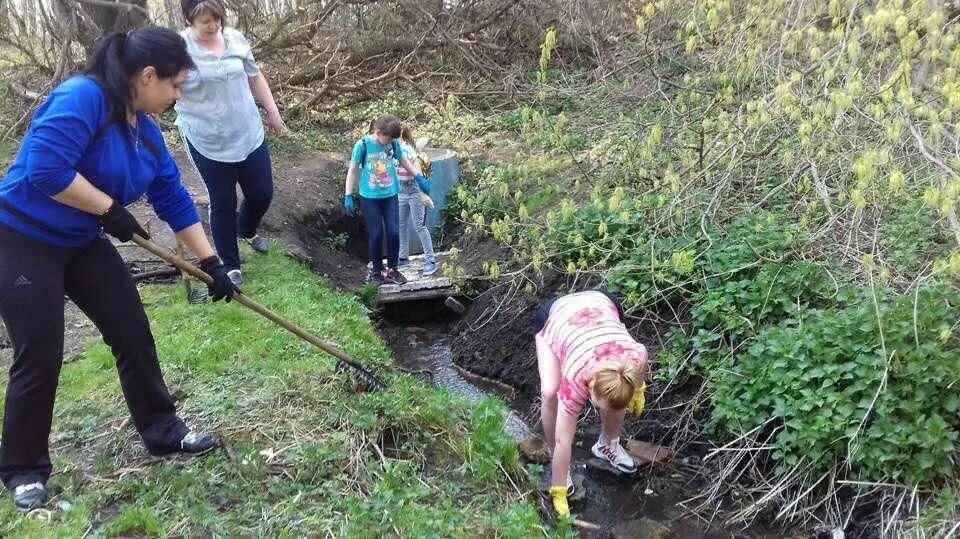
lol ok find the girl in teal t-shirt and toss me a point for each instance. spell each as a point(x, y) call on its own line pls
point(374, 171)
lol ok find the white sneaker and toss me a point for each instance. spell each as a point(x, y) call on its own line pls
point(615, 454)
point(235, 277)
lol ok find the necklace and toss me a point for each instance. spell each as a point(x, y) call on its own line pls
point(135, 135)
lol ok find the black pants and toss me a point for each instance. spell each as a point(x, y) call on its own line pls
point(34, 277)
point(256, 182)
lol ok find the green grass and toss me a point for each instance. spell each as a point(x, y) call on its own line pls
point(305, 455)
point(8, 150)
point(308, 139)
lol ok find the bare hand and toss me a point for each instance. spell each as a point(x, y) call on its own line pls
point(275, 125)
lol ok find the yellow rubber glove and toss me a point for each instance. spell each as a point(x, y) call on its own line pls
point(638, 401)
point(559, 496)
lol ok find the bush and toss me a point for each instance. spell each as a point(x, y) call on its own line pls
point(842, 387)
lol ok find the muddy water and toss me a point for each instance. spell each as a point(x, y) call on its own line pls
point(434, 356)
point(645, 504)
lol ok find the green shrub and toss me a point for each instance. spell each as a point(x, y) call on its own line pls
point(838, 388)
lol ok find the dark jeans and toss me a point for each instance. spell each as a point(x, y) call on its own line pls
point(382, 214)
point(256, 182)
point(34, 277)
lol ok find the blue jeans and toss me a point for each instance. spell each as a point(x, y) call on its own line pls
point(256, 182)
point(413, 212)
point(382, 214)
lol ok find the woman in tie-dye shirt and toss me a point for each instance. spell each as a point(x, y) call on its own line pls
point(584, 353)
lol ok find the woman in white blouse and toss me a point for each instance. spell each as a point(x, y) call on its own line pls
point(221, 124)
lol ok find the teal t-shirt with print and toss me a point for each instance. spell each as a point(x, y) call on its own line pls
point(378, 175)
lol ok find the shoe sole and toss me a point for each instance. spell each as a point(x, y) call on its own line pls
point(615, 466)
point(198, 453)
point(28, 509)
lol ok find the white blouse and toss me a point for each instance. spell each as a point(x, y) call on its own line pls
point(217, 112)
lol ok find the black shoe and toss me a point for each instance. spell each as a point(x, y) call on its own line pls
point(392, 276)
point(258, 244)
point(375, 277)
point(196, 443)
point(29, 496)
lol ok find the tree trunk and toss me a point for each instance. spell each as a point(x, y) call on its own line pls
point(174, 14)
point(102, 21)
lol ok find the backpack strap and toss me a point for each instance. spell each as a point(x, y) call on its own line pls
point(363, 153)
point(397, 152)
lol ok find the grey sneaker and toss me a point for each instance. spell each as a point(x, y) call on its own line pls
point(258, 244)
point(403, 261)
point(430, 267)
point(235, 277)
point(29, 496)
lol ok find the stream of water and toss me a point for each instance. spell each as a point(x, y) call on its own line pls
point(646, 504)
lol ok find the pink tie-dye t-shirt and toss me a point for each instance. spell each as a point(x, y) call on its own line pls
point(582, 330)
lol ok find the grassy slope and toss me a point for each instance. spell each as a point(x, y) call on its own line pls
point(305, 455)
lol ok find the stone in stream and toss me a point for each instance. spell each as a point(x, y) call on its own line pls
point(647, 453)
point(641, 528)
point(533, 449)
point(455, 305)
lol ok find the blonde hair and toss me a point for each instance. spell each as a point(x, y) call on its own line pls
point(615, 380)
point(406, 133)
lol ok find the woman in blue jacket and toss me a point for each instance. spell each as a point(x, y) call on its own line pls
point(91, 149)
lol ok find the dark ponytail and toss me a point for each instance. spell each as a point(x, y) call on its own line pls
point(120, 57)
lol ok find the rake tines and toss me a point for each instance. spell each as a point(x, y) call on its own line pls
point(365, 380)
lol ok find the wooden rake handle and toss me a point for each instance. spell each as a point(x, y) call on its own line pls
point(244, 300)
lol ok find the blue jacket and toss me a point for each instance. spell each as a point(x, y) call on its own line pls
point(69, 134)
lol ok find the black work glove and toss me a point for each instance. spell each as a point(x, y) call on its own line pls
point(222, 286)
point(121, 224)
